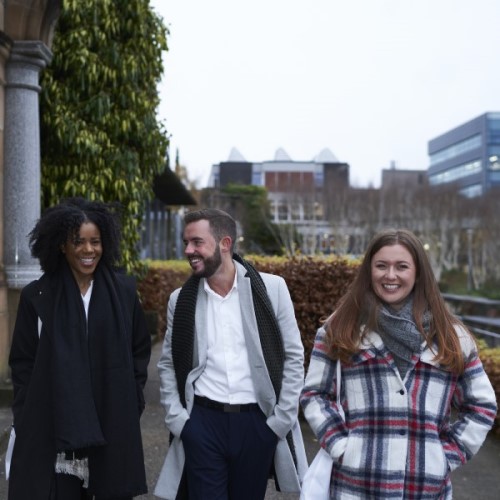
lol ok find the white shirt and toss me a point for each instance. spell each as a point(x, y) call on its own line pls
point(86, 298)
point(227, 376)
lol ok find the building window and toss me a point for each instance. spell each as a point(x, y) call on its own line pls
point(452, 174)
point(282, 212)
point(494, 131)
point(318, 178)
point(472, 191)
point(318, 211)
point(257, 175)
point(494, 162)
point(273, 207)
point(494, 177)
point(256, 178)
point(214, 180)
point(456, 149)
point(296, 212)
point(308, 212)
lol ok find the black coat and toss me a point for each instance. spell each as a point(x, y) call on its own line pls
point(116, 469)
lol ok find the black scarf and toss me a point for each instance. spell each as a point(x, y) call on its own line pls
point(76, 421)
point(269, 329)
point(183, 334)
point(268, 326)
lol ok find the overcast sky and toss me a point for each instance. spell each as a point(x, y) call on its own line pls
point(371, 80)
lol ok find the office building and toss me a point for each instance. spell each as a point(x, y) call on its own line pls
point(468, 155)
point(299, 192)
point(395, 178)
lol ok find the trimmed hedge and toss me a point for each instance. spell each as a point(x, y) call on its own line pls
point(161, 279)
point(490, 358)
point(315, 283)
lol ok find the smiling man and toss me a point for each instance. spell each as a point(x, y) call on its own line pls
point(231, 373)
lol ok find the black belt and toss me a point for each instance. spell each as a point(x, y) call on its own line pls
point(225, 407)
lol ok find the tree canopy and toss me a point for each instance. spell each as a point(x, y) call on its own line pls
point(100, 136)
point(250, 206)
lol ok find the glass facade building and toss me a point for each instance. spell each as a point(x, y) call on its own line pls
point(468, 155)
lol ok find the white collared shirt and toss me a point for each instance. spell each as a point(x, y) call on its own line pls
point(86, 298)
point(227, 377)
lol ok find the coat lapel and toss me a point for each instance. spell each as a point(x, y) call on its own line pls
point(248, 319)
point(200, 345)
point(260, 377)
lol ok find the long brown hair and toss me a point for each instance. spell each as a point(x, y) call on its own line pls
point(358, 309)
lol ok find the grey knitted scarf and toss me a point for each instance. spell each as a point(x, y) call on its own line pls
point(400, 334)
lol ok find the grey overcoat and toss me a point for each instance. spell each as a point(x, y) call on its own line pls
point(281, 415)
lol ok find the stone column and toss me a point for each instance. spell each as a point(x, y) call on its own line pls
point(22, 158)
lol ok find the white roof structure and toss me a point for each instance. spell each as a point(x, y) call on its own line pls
point(325, 156)
point(281, 155)
point(236, 156)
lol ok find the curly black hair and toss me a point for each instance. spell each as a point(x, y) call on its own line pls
point(62, 222)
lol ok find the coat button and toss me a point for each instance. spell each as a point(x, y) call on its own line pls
point(402, 392)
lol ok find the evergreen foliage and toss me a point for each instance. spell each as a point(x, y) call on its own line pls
point(250, 205)
point(100, 137)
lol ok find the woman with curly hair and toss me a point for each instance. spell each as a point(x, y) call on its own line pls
point(79, 358)
point(405, 361)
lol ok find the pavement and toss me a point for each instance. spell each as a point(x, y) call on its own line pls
point(479, 479)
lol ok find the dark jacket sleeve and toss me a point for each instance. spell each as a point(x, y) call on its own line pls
point(23, 349)
point(141, 351)
point(140, 336)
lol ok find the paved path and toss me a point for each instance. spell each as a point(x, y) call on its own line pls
point(479, 479)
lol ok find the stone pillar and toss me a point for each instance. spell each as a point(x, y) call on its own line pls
point(5, 44)
point(22, 158)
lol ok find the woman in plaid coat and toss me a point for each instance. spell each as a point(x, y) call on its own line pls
point(406, 360)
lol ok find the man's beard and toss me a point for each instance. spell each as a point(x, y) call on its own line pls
point(211, 264)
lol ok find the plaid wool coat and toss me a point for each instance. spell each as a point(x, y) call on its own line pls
point(399, 440)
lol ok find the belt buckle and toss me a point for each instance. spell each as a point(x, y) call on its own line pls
point(231, 408)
